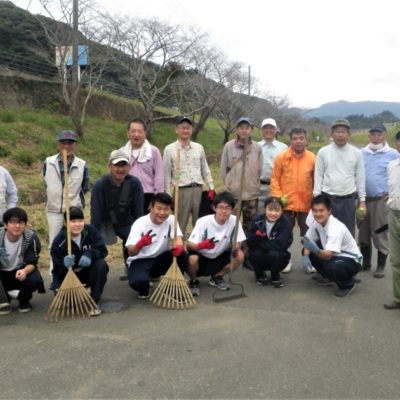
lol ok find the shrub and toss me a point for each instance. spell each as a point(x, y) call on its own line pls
point(7, 116)
point(24, 157)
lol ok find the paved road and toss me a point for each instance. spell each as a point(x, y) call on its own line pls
point(296, 342)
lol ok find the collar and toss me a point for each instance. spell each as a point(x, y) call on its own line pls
point(239, 144)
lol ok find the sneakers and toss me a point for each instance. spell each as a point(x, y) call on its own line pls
point(344, 292)
point(194, 287)
point(5, 308)
point(320, 280)
point(24, 307)
point(219, 282)
point(95, 312)
point(288, 268)
point(262, 281)
point(394, 305)
point(143, 295)
point(277, 284)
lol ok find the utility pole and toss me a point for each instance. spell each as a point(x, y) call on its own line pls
point(75, 42)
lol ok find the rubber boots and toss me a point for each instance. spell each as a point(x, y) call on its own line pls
point(380, 269)
point(366, 252)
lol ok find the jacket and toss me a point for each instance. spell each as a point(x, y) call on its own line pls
point(92, 244)
point(280, 237)
point(294, 177)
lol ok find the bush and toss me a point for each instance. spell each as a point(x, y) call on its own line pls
point(7, 116)
point(24, 157)
point(4, 152)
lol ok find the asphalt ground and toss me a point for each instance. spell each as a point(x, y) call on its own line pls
point(299, 341)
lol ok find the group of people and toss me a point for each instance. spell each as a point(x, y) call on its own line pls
point(277, 186)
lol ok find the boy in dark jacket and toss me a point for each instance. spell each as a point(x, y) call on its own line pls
point(87, 258)
point(268, 240)
point(19, 256)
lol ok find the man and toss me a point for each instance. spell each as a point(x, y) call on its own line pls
point(231, 169)
point(88, 255)
point(53, 173)
point(19, 257)
point(270, 149)
point(394, 226)
point(145, 161)
point(8, 192)
point(149, 245)
point(331, 248)
point(194, 172)
point(377, 155)
point(292, 180)
point(340, 174)
point(210, 245)
point(116, 202)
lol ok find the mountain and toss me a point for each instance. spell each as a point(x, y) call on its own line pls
point(341, 109)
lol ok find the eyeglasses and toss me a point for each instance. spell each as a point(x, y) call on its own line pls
point(16, 222)
point(224, 208)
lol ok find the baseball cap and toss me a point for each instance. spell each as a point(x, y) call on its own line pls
point(377, 128)
point(269, 121)
point(245, 120)
point(67, 135)
point(341, 122)
point(117, 156)
point(182, 118)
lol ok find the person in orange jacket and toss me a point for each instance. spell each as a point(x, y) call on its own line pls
point(292, 181)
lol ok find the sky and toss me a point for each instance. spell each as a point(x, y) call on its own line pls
point(311, 51)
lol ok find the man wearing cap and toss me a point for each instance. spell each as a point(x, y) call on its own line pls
point(145, 161)
point(377, 155)
point(292, 181)
point(231, 169)
point(340, 174)
point(394, 226)
point(270, 149)
point(8, 192)
point(194, 172)
point(53, 173)
point(116, 202)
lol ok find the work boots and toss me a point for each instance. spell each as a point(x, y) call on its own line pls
point(366, 252)
point(380, 269)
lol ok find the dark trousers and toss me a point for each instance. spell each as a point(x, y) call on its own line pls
point(271, 260)
point(123, 232)
point(94, 276)
point(33, 282)
point(140, 270)
point(340, 270)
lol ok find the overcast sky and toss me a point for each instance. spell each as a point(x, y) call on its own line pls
point(312, 51)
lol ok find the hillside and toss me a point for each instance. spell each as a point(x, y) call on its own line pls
point(340, 109)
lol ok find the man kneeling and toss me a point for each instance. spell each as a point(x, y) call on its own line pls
point(335, 255)
point(210, 245)
point(88, 255)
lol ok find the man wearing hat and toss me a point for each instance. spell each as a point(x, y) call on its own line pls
point(376, 154)
point(194, 172)
point(53, 173)
point(8, 192)
point(231, 169)
point(340, 174)
point(270, 149)
point(116, 202)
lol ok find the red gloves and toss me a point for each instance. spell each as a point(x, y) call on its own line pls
point(211, 194)
point(177, 250)
point(145, 240)
point(207, 244)
point(260, 234)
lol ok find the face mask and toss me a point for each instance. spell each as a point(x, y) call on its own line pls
point(375, 147)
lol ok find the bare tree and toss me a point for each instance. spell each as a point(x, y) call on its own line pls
point(76, 93)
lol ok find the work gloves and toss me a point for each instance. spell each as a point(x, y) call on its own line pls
point(85, 260)
point(211, 194)
point(307, 266)
point(177, 250)
point(310, 244)
point(145, 240)
point(260, 233)
point(207, 244)
point(69, 261)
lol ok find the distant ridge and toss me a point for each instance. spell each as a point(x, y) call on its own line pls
point(342, 108)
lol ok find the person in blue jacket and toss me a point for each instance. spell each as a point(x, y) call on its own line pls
point(88, 255)
point(268, 239)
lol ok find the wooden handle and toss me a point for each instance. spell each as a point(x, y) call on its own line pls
point(66, 201)
point(176, 192)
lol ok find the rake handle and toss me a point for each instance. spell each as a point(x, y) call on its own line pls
point(66, 200)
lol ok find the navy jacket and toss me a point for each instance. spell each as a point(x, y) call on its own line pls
point(280, 237)
point(92, 244)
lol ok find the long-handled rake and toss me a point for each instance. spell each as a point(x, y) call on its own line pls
point(222, 298)
point(173, 292)
point(72, 298)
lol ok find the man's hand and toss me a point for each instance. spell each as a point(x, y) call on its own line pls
point(284, 200)
point(310, 244)
point(20, 275)
point(207, 244)
point(177, 250)
point(85, 260)
point(4, 260)
point(307, 266)
point(260, 233)
point(69, 261)
point(211, 194)
point(145, 240)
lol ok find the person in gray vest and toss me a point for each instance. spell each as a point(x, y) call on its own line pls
point(116, 202)
point(53, 174)
point(8, 192)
